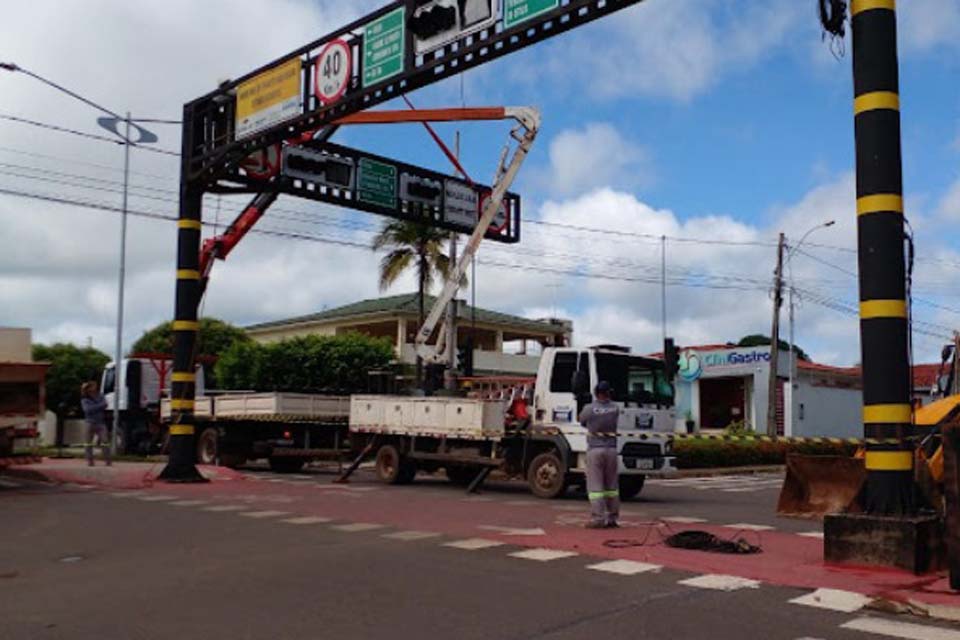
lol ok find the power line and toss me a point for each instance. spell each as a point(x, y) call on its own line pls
point(53, 127)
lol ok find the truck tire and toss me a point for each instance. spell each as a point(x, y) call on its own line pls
point(207, 446)
point(392, 468)
point(547, 476)
point(286, 464)
point(631, 486)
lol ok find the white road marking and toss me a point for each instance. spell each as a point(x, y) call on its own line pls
point(543, 555)
point(7, 484)
point(407, 536)
point(128, 494)
point(834, 600)
point(682, 519)
point(154, 498)
point(306, 520)
point(189, 503)
point(301, 476)
point(624, 567)
point(358, 526)
point(812, 534)
point(225, 507)
point(741, 490)
point(896, 629)
point(749, 527)
point(511, 531)
point(720, 582)
point(473, 544)
point(76, 486)
point(263, 514)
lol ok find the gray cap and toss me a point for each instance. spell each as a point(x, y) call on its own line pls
point(602, 387)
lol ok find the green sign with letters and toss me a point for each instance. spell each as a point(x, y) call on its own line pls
point(383, 47)
point(517, 11)
point(377, 183)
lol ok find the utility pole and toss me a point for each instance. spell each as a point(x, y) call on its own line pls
point(450, 375)
point(119, 380)
point(775, 340)
point(663, 287)
point(887, 412)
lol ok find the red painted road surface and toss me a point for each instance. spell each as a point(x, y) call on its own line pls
point(787, 559)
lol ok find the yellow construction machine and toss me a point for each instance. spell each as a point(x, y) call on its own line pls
point(818, 485)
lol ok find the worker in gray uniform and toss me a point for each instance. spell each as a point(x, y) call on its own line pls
point(603, 485)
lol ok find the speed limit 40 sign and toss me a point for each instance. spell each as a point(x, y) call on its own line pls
point(331, 74)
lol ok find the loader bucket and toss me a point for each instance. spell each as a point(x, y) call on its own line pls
point(818, 485)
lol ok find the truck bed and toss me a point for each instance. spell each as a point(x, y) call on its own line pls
point(463, 418)
point(269, 407)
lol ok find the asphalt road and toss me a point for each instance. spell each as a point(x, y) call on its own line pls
point(243, 562)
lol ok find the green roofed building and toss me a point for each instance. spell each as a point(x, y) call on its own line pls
point(504, 344)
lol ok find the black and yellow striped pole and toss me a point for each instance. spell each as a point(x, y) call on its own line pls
point(181, 465)
point(883, 306)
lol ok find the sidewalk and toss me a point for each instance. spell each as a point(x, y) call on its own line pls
point(120, 475)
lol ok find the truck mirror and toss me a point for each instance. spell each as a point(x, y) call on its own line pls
point(581, 383)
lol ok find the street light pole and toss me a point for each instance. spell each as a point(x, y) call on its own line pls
point(793, 348)
point(118, 351)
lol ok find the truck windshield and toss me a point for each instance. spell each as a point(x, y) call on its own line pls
point(109, 380)
point(634, 380)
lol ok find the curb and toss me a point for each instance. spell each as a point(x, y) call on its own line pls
point(730, 471)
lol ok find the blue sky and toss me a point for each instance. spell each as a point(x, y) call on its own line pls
point(704, 120)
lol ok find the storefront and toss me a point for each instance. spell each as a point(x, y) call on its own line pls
point(720, 386)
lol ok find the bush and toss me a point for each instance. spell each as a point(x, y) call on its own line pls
point(703, 453)
point(310, 364)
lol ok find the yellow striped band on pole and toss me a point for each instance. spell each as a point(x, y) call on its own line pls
point(880, 202)
point(186, 325)
point(190, 224)
point(183, 377)
point(188, 274)
point(876, 100)
point(889, 460)
point(181, 404)
point(859, 6)
point(887, 414)
point(870, 309)
point(181, 430)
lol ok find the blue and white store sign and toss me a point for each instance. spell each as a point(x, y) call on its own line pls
point(692, 365)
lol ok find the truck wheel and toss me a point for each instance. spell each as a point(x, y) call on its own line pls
point(392, 468)
point(462, 476)
point(207, 446)
point(284, 464)
point(546, 476)
point(631, 486)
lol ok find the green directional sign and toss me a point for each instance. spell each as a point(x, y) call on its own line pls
point(517, 11)
point(377, 183)
point(383, 47)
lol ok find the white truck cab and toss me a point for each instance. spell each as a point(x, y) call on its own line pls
point(565, 382)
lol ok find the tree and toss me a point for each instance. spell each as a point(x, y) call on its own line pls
point(214, 338)
point(307, 364)
point(759, 340)
point(417, 245)
point(71, 367)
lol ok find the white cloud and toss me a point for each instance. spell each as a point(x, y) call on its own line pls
point(949, 206)
point(927, 24)
point(597, 155)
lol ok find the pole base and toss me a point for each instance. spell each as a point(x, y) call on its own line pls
point(913, 543)
point(181, 473)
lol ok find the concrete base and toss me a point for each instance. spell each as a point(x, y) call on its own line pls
point(915, 544)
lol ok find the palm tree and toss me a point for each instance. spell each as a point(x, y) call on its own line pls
point(418, 245)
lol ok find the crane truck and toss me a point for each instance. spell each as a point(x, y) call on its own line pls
point(22, 397)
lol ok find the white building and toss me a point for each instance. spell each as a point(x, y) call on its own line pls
point(720, 385)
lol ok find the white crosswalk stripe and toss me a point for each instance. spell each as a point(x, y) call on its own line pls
point(188, 503)
point(263, 514)
point(542, 555)
point(408, 536)
point(625, 567)
point(834, 600)
point(682, 519)
point(220, 508)
point(8, 484)
point(898, 629)
point(749, 527)
point(306, 520)
point(473, 544)
point(720, 582)
point(729, 484)
point(358, 526)
point(812, 534)
point(156, 498)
